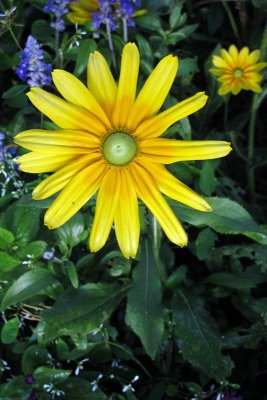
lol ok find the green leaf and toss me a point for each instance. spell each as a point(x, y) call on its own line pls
point(6, 239)
point(16, 389)
point(207, 180)
point(10, 331)
point(197, 337)
point(45, 375)
point(149, 22)
point(87, 47)
point(7, 262)
point(175, 16)
point(34, 249)
point(204, 243)
point(182, 34)
point(144, 309)
point(42, 30)
point(27, 201)
point(81, 310)
point(80, 389)
point(227, 217)
point(23, 222)
point(28, 285)
point(72, 232)
point(248, 279)
point(15, 96)
point(34, 357)
point(72, 274)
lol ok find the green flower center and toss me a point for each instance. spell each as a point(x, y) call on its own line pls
point(119, 148)
point(238, 73)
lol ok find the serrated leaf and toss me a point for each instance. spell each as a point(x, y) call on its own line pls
point(144, 309)
point(81, 310)
point(198, 339)
point(28, 285)
point(227, 217)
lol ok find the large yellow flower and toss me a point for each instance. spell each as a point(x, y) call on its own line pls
point(238, 70)
point(110, 142)
point(82, 10)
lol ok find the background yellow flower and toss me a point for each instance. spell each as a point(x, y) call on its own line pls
point(238, 70)
point(82, 10)
point(110, 142)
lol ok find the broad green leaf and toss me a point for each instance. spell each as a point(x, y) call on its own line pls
point(28, 285)
point(16, 389)
point(6, 239)
point(45, 375)
point(198, 339)
point(27, 201)
point(7, 262)
point(81, 310)
point(247, 280)
point(10, 331)
point(34, 249)
point(79, 389)
point(227, 217)
point(144, 309)
point(72, 232)
point(149, 22)
point(34, 357)
point(42, 30)
point(175, 16)
point(23, 222)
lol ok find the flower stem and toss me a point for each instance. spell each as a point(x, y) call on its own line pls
point(251, 129)
point(14, 37)
point(125, 29)
point(110, 43)
point(231, 20)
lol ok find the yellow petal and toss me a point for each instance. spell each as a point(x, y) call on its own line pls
point(173, 188)
point(154, 91)
point(157, 125)
point(243, 57)
point(253, 57)
point(75, 194)
point(64, 114)
point(101, 82)
point(126, 220)
point(224, 89)
point(82, 10)
point(148, 192)
point(75, 92)
point(107, 202)
point(228, 59)
point(59, 179)
point(34, 162)
point(234, 53)
point(57, 142)
point(127, 84)
point(219, 62)
point(168, 151)
point(256, 67)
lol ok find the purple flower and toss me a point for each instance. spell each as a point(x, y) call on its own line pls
point(29, 379)
point(59, 8)
point(32, 68)
point(104, 15)
point(126, 9)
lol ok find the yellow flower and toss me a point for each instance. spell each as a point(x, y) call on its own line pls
point(82, 10)
point(110, 142)
point(238, 70)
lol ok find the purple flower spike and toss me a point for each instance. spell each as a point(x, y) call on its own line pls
point(32, 68)
point(59, 8)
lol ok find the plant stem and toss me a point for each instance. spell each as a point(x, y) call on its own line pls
point(110, 43)
point(57, 58)
point(231, 20)
point(14, 37)
point(125, 29)
point(250, 154)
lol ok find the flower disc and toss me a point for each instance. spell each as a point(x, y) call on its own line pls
point(119, 148)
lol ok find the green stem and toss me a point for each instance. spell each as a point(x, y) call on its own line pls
point(236, 147)
point(14, 37)
point(250, 154)
point(225, 116)
point(231, 20)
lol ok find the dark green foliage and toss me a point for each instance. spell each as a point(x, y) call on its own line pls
point(175, 323)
